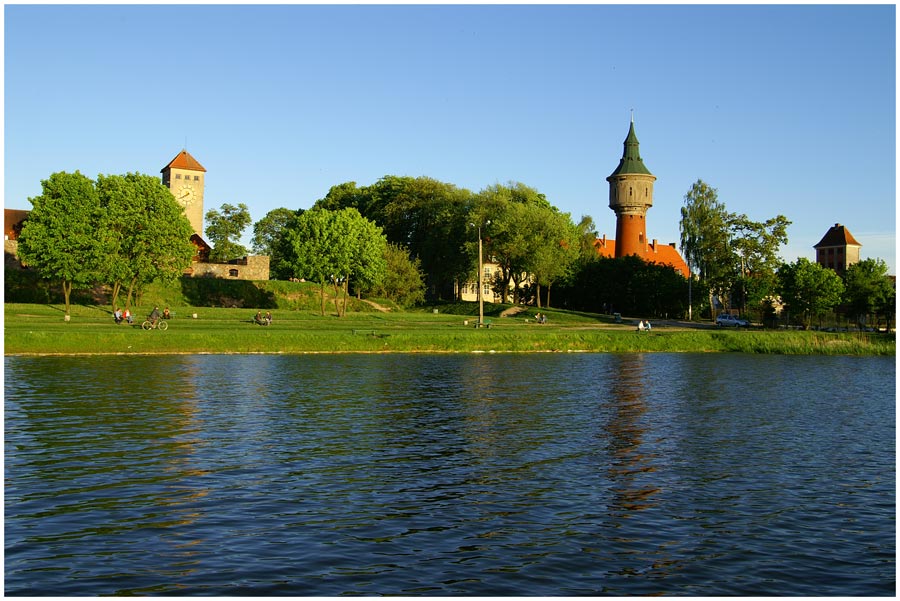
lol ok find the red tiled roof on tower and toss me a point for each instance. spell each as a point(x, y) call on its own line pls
point(184, 161)
point(664, 254)
point(837, 235)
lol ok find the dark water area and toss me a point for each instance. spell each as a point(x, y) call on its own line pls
point(440, 475)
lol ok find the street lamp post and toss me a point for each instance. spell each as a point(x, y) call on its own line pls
point(480, 276)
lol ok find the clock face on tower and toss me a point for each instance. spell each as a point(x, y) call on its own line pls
point(185, 194)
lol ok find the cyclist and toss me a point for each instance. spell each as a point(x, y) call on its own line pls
point(154, 316)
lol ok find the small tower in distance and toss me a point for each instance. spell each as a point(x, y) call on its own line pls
point(838, 249)
point(630, 195)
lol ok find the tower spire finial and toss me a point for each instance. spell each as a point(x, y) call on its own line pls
point(632, 115)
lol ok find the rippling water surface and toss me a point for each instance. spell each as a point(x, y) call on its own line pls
point(450, 475)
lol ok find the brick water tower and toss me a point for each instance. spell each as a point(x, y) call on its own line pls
point(630, 195)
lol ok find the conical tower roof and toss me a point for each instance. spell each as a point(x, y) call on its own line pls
point(631, 161)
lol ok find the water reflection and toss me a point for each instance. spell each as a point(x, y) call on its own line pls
point(624, 432)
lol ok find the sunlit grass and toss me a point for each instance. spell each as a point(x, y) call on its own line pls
point(40, 329)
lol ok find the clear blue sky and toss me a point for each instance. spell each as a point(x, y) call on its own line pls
point(784, 109)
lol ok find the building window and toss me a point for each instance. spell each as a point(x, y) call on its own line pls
point(196, 178)
point(233, 273)
point(177, 176)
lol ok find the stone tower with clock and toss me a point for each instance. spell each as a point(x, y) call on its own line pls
point(184, 177)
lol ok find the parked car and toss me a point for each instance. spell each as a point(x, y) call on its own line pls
point(730, 320)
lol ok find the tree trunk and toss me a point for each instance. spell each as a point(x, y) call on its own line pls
point(547, 304)
point(117, 287)
point(322, 295)
point(67, 293)
point(130, 290)
point(537, 294)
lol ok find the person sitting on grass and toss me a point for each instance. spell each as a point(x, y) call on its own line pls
point(117, 316)
point(258, 318)
point(166, 314)
point(268, 318)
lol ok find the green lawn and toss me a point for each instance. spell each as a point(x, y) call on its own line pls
point(41, 329)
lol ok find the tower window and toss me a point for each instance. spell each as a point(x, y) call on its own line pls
point(196, 178)
point(629, 190)
point(177, 176)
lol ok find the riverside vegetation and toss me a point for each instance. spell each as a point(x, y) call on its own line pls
point(378, 326)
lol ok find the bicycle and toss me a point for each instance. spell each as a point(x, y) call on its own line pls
point(160, 325)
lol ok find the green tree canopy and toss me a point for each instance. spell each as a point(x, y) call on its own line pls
point(808, 289)
point(60, 237)
point(334, 246)
point(755, 245)
point(867, 289)
point(224, 228)
point(267, 234)
point(403, 280)
point(705, 239)
point(146, 234)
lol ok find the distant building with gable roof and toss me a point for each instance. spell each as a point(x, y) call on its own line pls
point(837, 249)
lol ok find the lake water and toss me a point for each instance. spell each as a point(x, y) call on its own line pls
point(474, 474)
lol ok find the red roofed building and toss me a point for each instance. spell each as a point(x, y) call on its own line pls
point(665, 254)
point(630, 196)
point(837, 249)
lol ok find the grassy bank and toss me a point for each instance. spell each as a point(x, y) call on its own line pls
point(40, 329)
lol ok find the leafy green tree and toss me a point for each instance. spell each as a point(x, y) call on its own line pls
point(422, 214)
point(516, 239)
point(808, 289)
point(145, 232)
point(59, 239)
point(224, 229)
point(267, 233)
point(334, 247)
point(627, 285)
point(705, 239)
point(867, 289)
point(554, 249)
point(756, 246)
point(403, 281)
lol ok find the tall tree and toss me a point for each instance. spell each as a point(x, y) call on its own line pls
point(756, 246)
point(146, 234)
point(403, 281)
point(554, 249)
point(705, 239)
point(867, 289)
point(334, 247)
point(267, 233)
point(224, 228)
point(808, 289)
point(422, 214)
point(59, 239)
